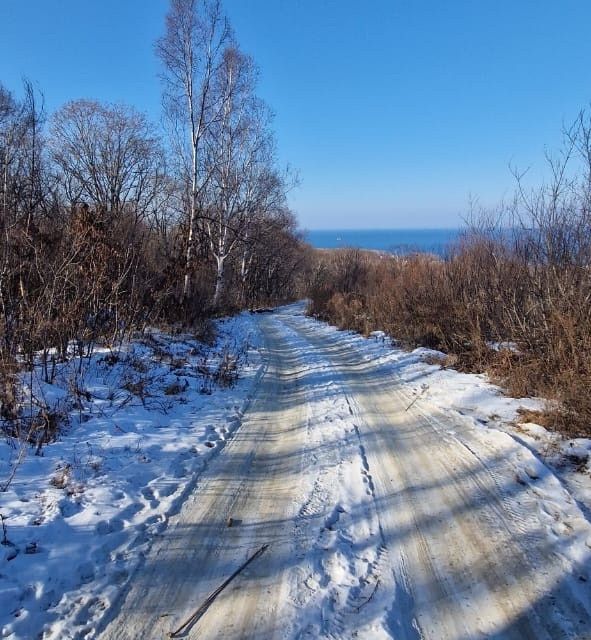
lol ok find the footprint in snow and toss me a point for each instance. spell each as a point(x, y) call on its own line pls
point(311, 583)
point(166, 489)
point(553, 510)
point(148, 494)
point(69, 508)
point(105, 527)
point(179, 470)
point(561, 529)
point(86, 572)
point(534, 469)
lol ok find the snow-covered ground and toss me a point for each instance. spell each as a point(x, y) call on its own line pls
point(482, 406)
point(80, 517)
point(543, 478)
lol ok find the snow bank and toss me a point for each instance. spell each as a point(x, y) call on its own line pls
point(142, 424)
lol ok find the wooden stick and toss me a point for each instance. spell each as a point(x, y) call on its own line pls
point(370, 597)
point(214, 594)
point(419, 395)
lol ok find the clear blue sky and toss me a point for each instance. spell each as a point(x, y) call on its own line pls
point(393, 111)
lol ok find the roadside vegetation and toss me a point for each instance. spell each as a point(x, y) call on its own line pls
point(512, 298)
point(110, 224)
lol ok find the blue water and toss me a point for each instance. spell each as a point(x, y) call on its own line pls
point(398, 241)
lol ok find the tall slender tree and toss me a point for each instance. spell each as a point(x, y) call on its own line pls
point(191, 50)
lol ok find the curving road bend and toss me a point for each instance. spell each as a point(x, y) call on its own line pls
point(384, 519)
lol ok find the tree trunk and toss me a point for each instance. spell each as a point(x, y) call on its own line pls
point(219, 280)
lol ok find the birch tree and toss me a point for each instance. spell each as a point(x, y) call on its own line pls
point(191, 50)
point(245, 184)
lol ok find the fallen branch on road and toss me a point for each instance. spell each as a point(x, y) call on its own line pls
point(213, 595)
point(424, 388)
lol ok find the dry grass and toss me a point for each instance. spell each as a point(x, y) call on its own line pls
point(543, 418)
point(486, 291)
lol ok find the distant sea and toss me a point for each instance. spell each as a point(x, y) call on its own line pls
point(397, 241)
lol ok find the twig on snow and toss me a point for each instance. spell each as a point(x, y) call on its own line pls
point(424, 388)
point(213, 595)
point(370, 597)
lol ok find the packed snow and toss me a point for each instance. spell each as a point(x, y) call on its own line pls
point(555, 470)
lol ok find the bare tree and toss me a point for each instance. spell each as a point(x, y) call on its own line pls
point(20, 154)
point(22, 191)
point(22, 201)
point(107, 157)
point(191, 51)
point(245, 185)
point(112, 179)
point(272, 259)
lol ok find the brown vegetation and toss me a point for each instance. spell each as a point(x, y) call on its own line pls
point(107, 227)
point(512, 298)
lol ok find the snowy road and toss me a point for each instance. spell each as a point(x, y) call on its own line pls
point(385, 517)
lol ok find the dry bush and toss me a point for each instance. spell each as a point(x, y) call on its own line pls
point(100, 237)
point(138, 388)
point(492, 288)
point(226, 372)
point(61, 478)
point(521, 274)
point(174, 388)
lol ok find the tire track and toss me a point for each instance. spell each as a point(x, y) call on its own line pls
point(472, 554)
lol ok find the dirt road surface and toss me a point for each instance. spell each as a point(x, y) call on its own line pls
point(384, 519)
